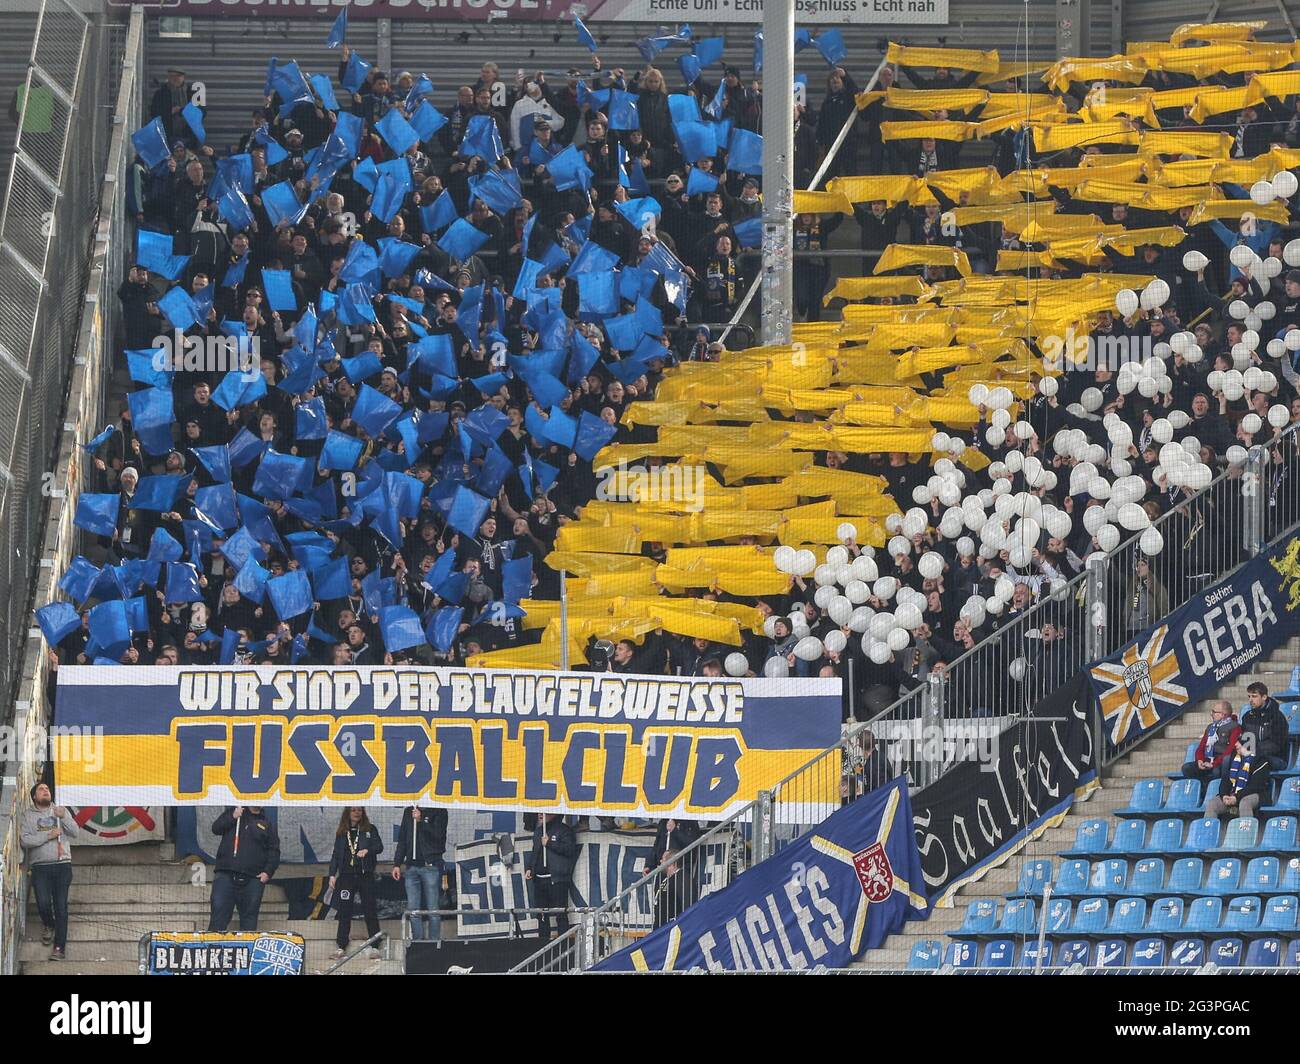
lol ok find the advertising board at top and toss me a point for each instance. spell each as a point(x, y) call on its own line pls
point(605, 744)
point(653, 12)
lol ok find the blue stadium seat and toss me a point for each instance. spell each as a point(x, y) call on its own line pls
point(1130, 835)
point(1148, 876)
point(1148, 953)
point(1224, 876)
point(1185, 876)
point(1059, 911)
point(1187, 953)
point(1280, 913)
point(1072, 878)
point(1166, 836)
point(1264, 953)
point(1291, 875)
point(1291, 958)
point(1184, 795)
point(1225, 952)
point(1128, 916)
point(1279, 835)
point(1294, 687)
point(1242, 834)
point(1074, 951)
point(1108, 877)
point(981, 915)
point(1211, 789)
point(1292, 714)
point(1202, 835)
point(1033, 874)
point(962, 955)
point(1019, 917)
point(926, 956)
point(1029, 953)
point(1000, 953)
point(1146, 798)
point(1166, 915)
point(1090, 917)
point(1091, 836)
point(1242, 914)
point(1111, 953)
point(1203, 914)
point(1177, 774)
point(1289, 796)
point(1263, 875)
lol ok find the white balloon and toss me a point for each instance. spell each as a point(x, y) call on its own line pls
point(1155, 294)
point(1017, 669)
point(835, 641)
point(908, 617)
point(879, 653)
point(965, 547)
point(840, 556)
point(930, 564)
point(861, 618)
point(1126, 302)
point(1048, 386)
point(994, 436)
point(805, 561)
point(857, 592)
point(1266, 310)
point(1195, 261)
point(1253, 378)
point(1291, 253)
point(863, 568)
point(921, 495)
point(776, 667)
point(783, 557)
point(1194, 354)
point(885, 587)
point(1199, 477)
point(1133, 517)
point(1004, 587)
point(1278, 416)
point(1093, 519)
point(824, 596)
point(1091, 399)
point(1108, 538)
point(1285, 184)
point(1191, 445)
point(840, 609)
point(1001, 419)
point(1238, 308)
point(1252, 423)
point(1000, 398)
point(846, 531)
point(736, 664)
point(1147, 387)
point(824, 575)
point(809, 648)
point(1180, 419)
point(1292, 340)
point(1262, 192)
point(1240, 256)
point(978, 394)
point(881, 625)
point(897, 639)
point(1152, 542)
point(995, 607)
point(1237, 455)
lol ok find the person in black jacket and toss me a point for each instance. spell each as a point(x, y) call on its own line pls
point(247, 857)
point(1244, 778)
point(1264, 720)
point(678, 885)
point(555, 850)
point(421, 840)
point(356, 846)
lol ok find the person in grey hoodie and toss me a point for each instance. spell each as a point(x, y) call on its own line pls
point(47, 831)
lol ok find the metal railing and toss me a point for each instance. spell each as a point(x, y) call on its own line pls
point(59, 323)
point(1205, 536)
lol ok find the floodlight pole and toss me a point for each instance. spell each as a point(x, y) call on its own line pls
point(777, 305)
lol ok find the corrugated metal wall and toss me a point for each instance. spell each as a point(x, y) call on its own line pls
point(1154, 20)
point(230, 54)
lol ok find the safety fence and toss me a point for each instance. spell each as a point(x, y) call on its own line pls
point(64, 243)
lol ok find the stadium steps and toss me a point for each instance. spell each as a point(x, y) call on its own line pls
point(120, 893)
point(1161, 754)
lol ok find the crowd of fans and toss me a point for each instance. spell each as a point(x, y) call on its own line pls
point(425, 303)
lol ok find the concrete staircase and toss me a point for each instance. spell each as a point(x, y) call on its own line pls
point(120, 893)
point(1164, 752)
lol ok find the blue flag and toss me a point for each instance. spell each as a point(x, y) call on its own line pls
point(282, 204)
point(700, 182)
point(194, 119)
point(373, 411)
point(517, 579)
point(179, 307)
point(341, 452)
point(584, 35)
point(355, 74)
point(468, 511)
point(332, 580)
point(110, 630)
point(400, 627)
point(339, 31)
point(396, 131)
point(79, 578)
point(861, 862)
point(745, 154)
point(278, 285)
point(183, 583)
point(58, 620)
point(97, 513)
point(831, 46)
point(150, 143)
point(427, 120)
point(444, 627)
point(290, 594)
point(462, 240)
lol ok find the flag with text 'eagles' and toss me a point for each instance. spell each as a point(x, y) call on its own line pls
point(1206, 641)
point(825, 899)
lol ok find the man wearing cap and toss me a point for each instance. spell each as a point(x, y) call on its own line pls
point(169, 100)
point(531, 106)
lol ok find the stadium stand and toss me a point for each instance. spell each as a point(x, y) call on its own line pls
point(463, 315)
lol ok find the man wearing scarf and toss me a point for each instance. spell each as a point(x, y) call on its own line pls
point(1245, 781)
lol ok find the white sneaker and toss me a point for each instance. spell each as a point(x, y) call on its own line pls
point(373, 953)
point(339, 952)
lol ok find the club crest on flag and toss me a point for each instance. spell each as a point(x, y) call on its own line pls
point(1288, 566)
point(1143, 675)
point(874, 872)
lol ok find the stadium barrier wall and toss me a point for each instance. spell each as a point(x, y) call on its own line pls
point(93, 202)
